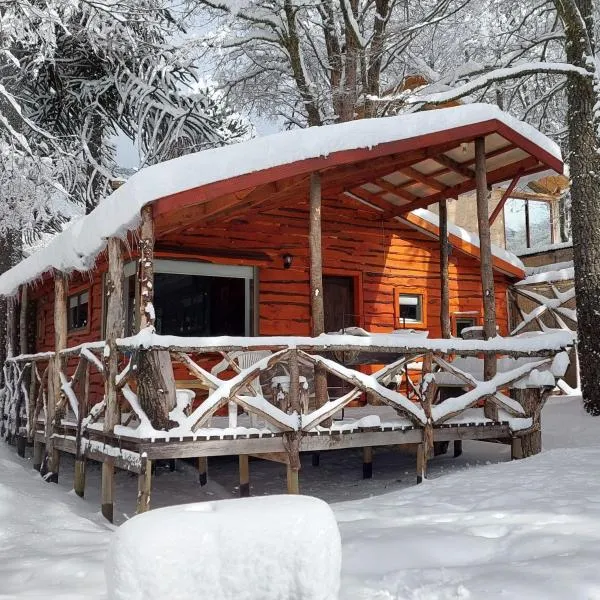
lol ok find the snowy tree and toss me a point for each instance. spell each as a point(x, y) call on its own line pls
point(551, 39)
point(113, 66)
point(316, 61)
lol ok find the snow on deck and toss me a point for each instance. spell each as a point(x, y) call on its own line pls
point(77, 247)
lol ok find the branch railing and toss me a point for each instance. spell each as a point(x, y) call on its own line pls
point(287, 409)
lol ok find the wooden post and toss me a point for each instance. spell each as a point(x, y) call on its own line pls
point(532, 400)
point(23, 338)
point(144, 486)
point(293, 486)
point(421, 463)
point(487, 272)
point(54, 369)
point(79, 478)
point(115, 328)
point(155, 379)
point(458, 450)
point(367, 462)
point(444, 260)
point(203, 470)
point(38, 455)
point(108, 490)
point(146, 246)
point(244, 475)
point(317, 310)
point(80, 462)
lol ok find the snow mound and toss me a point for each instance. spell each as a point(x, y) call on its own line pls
point(270, 548)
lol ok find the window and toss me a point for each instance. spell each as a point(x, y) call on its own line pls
point(462, 323)
point(410, 308)
point(199, 299)
point(78, 306)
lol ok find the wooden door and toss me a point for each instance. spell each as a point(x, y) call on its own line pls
point(340, 312)
point(338, 301)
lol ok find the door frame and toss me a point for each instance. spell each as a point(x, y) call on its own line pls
point(357, 286)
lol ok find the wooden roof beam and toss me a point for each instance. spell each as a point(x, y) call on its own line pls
point(424, 179)
point(529, 165)
point(504, 198)
point(452, 165)
point(394, 189)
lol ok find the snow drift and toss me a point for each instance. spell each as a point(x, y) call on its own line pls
point(271, 548)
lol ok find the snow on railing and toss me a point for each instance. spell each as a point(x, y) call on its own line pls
point(283, 406)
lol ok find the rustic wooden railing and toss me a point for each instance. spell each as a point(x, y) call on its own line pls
point(288, 410)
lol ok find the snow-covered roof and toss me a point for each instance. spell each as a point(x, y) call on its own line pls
point(306, 150)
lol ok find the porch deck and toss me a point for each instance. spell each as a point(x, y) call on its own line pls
point(444, 404)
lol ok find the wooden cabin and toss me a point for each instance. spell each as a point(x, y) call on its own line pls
point(269, 244)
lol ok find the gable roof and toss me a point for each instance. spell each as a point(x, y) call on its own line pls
point(400, 157)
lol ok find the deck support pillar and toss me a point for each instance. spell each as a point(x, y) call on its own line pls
point(38, 455)
point(28, 375)
point(108, 490)
point(79, 477)
point(367, 462)
point(458, 449)
point(244, 462)
point(487, 272)
point(317, 310)
point(203, 470)
point(54, 416)
point(293, 485)
point(421, 463)
point(144, 487)
point(444, 278)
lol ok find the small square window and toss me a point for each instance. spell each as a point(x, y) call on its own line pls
point(410, 308)
point(78, 310)
point(464, 323)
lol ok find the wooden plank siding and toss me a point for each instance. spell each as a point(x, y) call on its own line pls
point(387, 256)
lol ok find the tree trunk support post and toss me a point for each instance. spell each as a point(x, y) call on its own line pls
point(23, 348)
point(487, 272)
point(144, 486)
point(155, 379)
point(54, 384)
point(114, 330)
point(203, 470)
point(444, 279)
point(317, 309)
point(367, 462)
point(244, 462)
point(146, 246)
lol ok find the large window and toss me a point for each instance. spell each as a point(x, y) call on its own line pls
point(194, 299)
point(528, 224)
point(197, 299)
point(78, 304)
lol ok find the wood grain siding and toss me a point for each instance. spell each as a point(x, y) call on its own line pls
point(389, 255)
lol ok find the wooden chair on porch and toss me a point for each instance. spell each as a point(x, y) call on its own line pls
point(279, 384)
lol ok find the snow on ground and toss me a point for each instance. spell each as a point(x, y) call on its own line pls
point(481, 527)
point(51, 544)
